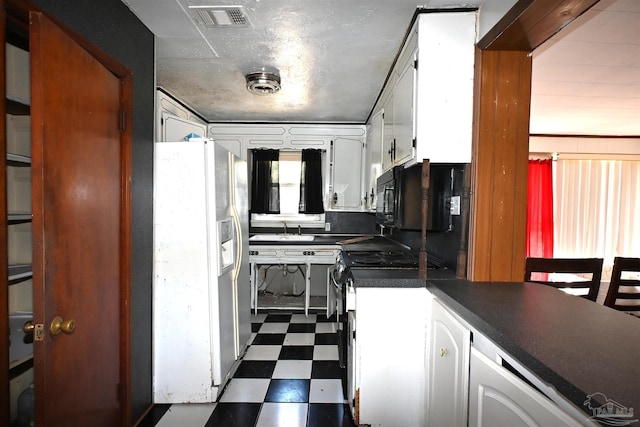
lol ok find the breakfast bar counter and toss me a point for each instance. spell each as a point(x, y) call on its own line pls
point(574, 346)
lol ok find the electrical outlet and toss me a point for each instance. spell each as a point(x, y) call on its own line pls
point(455, 205)
point(327, 226)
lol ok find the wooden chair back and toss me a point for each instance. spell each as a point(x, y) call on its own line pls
point(624, 293)
point(573, 266)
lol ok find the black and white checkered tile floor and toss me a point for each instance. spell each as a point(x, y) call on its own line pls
point(290, 376)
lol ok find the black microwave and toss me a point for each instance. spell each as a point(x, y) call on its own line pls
point(399, 197)
point(386, 198)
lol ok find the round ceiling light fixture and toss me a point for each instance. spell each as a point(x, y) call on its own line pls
point(263, 82)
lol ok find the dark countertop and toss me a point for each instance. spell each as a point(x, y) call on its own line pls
point(319, 239)
point(390, 278)
point(378, 278)
point(360, 242)
point(577, 346)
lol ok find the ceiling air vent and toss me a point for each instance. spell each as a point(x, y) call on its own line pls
point(220, 16)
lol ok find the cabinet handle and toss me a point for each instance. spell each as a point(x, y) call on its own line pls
point(443, 351)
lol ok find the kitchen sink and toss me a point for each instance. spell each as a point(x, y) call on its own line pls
point(282, 238)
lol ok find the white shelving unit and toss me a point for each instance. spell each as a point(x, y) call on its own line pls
point(18, 222)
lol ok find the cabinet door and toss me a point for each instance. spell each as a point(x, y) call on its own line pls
point(445, 86)
point(373, 159)
point(449, 369)
point(404, 114)
point(498, 397)
point(346, 178)
point(388, 141)
point(177, 129)
point(390, 366)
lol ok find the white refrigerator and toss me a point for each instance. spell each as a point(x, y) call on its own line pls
point(201, 293)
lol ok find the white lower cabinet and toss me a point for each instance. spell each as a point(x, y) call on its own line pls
point(388, 358)
point(448, 375)
point(467, 383)
point(497, 397)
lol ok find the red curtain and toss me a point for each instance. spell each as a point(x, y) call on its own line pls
point(540, 209)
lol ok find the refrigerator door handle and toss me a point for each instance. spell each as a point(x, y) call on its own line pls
point(237, 228)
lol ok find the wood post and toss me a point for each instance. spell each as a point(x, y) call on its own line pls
point(422, 261)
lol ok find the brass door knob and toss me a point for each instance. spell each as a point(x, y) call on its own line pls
point(59, 325)
point(28, 327)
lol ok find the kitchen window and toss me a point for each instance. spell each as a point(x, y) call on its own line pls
point(286, 187)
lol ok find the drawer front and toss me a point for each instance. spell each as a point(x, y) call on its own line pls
point(293, 254)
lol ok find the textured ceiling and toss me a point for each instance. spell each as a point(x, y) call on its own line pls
point(586, 79)
point(333, 57)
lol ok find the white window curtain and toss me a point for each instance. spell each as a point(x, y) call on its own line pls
point(597, 210)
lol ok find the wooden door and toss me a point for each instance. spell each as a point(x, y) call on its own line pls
point(78, 205)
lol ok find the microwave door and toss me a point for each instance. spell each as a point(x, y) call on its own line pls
point(388, 201)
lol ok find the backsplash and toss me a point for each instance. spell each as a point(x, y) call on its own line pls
point(339, 223)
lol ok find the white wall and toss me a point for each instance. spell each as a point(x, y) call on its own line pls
point(584, 147)
point(490, 13)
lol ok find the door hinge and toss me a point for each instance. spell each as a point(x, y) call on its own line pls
point(123, 121)
point(415, 64)
point(414, 143)
point(354, 335)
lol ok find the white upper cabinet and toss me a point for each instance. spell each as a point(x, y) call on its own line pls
point(345, 189)
point(427, 102)
point(175, 128)
point(373, 159)
point(343, 147)
point(399, 109)
point(445, 72)
point(403, 117)
point(174, 121)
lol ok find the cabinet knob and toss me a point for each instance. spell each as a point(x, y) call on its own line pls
point(443, 351)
